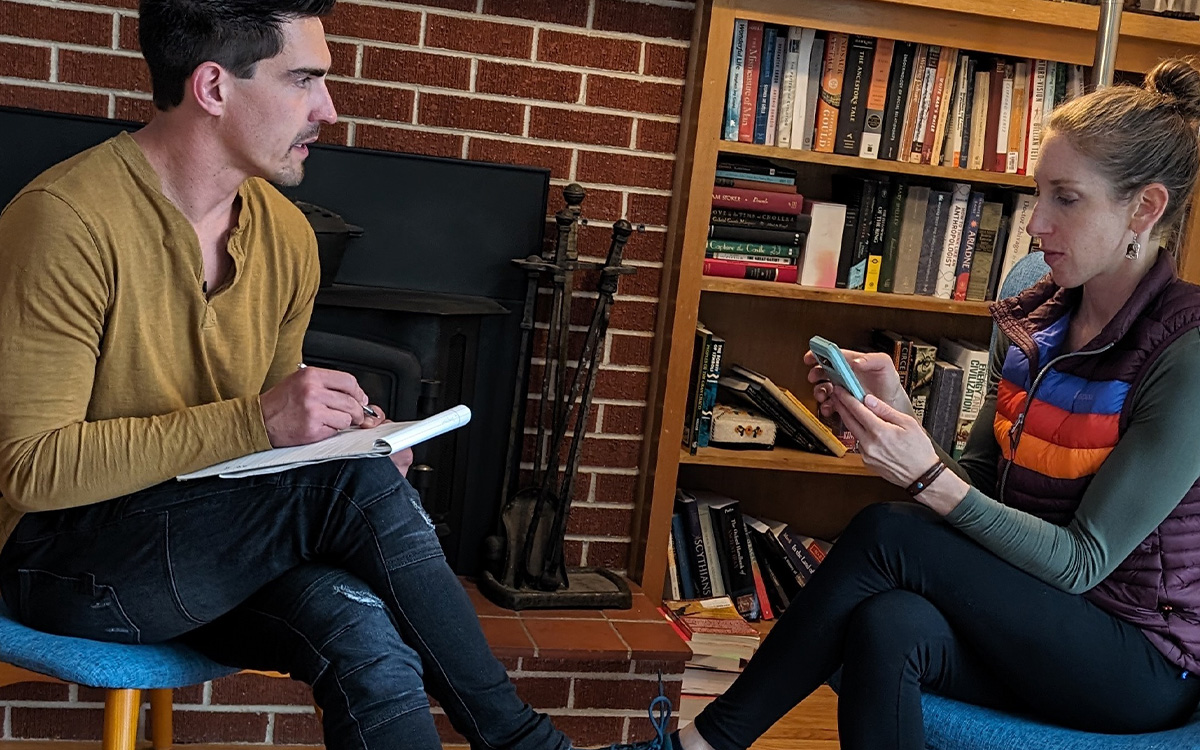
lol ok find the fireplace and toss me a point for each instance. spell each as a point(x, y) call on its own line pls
point(425, 309)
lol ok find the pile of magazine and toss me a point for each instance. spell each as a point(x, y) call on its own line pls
point(721, 642)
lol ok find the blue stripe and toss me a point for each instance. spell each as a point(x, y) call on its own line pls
point(1070, 393)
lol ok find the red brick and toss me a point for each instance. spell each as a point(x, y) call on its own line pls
point(528, 82)
point(628, 350)
point(636, 96)
point(25, 61)
point(624, 169)
point(579, 127)
point(640, 727)
point(224, 726)
point(137, 110)
point(600, 205)
point(584, 51)
point(624, 420)
point(344, 57)
point(374, 22)
point(573, 556)
point(128, 36)
point(480, 37)
point(54, 100)
point(544, 692)
point(658, 21)
point(575, 666)
point(657, 136)
point(565, 13)
point(377, 102)
point(465, 113)
point(193, 694)
point(112, 3)
point(410, 66)
point(649, 209)
point(611, 454)
point(623, 385)
point(614, 555)
point(648, 246)
point(35, 691)
point(557, 160)
point(337, 133)
point(297, 729)
point(87, 694)
point(654, 666)
point(645, 283)
point(633, 316)
point(260, 690)
point(57, 24)
point(57, 723)
point(409, 140)
point(104, 71)
point(590, 521)
point(591, 730)
point(448, 4)
point(664, 61)
point(617, 694)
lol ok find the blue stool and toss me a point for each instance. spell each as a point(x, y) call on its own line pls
point(28, 655)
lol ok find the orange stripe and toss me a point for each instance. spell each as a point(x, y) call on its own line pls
point(1010, 399)
point(1054, 461)
point(1060, 427)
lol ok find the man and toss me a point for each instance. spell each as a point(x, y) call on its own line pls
point(154, 300)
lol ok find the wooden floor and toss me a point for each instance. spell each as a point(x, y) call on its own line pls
point(811, 726)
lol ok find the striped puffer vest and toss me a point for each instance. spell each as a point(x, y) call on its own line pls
point(1064, 413)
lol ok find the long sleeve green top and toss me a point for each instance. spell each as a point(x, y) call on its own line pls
point(117, 371)
point(1139, 484)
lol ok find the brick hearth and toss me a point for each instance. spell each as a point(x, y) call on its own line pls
point(595, 672)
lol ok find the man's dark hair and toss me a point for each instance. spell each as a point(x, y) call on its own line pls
point(178, 35)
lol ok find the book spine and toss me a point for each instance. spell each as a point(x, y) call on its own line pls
point(731, 538)
point(758, 200)
point(966, 252)
point(1037, 100)
point(787, 89)
point(853, 107)
point(979, 120)
point(872, 135)
point(754, 39)
point(746, 270)
point(948, 259)
point(712, 551)
point(762, 97)
point(766, 241)
point(912, 106)
point(712, 373)
point(897, 96)
point(891, 239)
point(954, 138)
point(812, 97)
point(921, 376)
point(1016, 122)
point(683, 560)
point(745, 184)
point(937, 152)
point(694, 544)
point(849, 241)
point(737, 69)
point(923, 103)
point(932, 237)
point(857, 276)
point(908, 253)
point(695, 403)
point(985, 248)
point(822, 248)
point(801, 558)
point(883, 201)
point(773, 111)
point(964, 138)
point(736, 217)
point(938, 93)
point(736, 172)
point(831, 92)
point(766, 607)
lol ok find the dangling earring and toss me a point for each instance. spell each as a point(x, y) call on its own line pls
point(1133, 249)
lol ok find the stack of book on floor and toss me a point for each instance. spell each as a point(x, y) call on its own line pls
point(757, 228)
point(721, 642)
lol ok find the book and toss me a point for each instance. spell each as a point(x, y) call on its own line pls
point(762, 100)
point(819, 263)
point(891, 237)
point(920, 376)
point(711, 621)
point(712, 372)
point(708, 535)
point(752, 251)
point(972, 359)
point(816, 63)
point(945, 401)
point(852, 110)
point(376, 442)
point(740, 217)
point(758, 200)
point(696, 382)
point(861, 192)
point(740, 269)
point(985, 248)
point(793, 417)
point(766, 609)
point(789, 241)
point(737, 67)
point(872, 135)
point(897, 97)
point(732, 551)
point(673, 585)
point(1019, 239)
point(749, 182)
point(966, 248)
point(679, 543)
point(933, 236)
point(898, 348)
point(693, 543)
point(770, 551)
point(947, 264)
point(908, 249)
point(793, 94)
point(741, 428)
point(754, 40)
point(774, 90)
point(830, 100)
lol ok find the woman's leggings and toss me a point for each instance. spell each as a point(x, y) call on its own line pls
point(904, 603)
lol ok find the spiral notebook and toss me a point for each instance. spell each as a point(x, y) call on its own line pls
point(376, 442)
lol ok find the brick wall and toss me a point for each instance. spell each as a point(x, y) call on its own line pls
point(590, 89)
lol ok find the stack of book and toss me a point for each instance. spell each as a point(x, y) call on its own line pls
point(721, 642)
point(887, 99)
point(757, 229)
point(946, 383)
point(715, 550)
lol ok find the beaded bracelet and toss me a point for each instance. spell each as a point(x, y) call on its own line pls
point(926, 479)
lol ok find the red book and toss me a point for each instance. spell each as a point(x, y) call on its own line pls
point(992, 129)
point(754, 37)
point(743, 269)
point(758, 200)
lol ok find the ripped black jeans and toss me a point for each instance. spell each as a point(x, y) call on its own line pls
point(331, 573)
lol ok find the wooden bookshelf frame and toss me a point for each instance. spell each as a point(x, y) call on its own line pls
point(1064, 31)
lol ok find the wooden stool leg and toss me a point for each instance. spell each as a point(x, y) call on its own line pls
point(120, 719)
point(161, 706)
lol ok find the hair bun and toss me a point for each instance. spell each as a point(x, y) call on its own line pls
point(1178, 81)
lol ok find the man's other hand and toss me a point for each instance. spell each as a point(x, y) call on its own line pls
point(312, 404)
point(403, 459)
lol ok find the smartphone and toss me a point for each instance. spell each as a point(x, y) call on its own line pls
point(829, 356)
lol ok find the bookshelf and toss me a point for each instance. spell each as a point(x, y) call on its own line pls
point(766, 324)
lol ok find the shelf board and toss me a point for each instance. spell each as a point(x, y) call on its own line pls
point(721, 285)
point(876, 165)
point(779, 459)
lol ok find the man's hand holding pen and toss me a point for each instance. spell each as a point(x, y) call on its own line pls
point(314, 403)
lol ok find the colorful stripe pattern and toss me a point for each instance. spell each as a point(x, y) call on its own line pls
point(1072, 423)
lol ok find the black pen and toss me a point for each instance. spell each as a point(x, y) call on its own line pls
point(366, 409)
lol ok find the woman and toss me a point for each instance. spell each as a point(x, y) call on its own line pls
point(1055, 569)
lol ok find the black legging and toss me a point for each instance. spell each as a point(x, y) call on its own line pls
point(906, 603)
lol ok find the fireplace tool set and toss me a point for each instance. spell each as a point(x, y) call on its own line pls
point(524, 560)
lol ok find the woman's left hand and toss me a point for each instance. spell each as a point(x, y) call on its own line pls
point(891, 442)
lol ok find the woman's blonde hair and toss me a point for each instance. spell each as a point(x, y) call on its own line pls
point(1136, 136)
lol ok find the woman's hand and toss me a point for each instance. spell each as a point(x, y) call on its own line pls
point(875, 371)
point(891, 442)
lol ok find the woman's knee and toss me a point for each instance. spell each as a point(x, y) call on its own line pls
point(890, 523)
point(893, 622)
